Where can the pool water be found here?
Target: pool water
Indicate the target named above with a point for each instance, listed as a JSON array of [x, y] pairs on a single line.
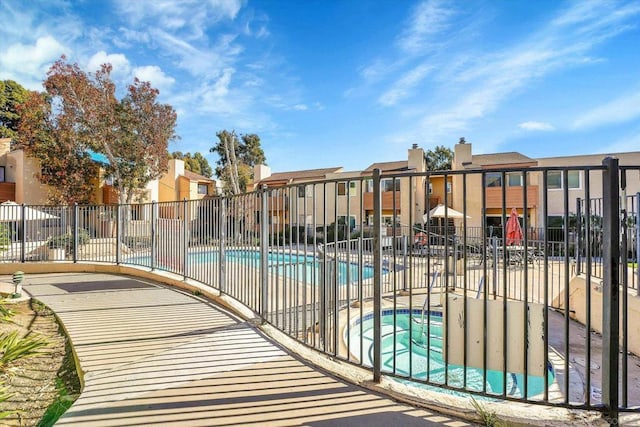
[[300, 267], [418, 353]]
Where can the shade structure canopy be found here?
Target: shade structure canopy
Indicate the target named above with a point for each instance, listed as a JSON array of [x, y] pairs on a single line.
[[514, 233], [440, 212], [11, 211]]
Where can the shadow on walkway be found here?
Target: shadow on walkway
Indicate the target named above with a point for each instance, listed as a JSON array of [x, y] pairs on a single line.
[[155, 355]]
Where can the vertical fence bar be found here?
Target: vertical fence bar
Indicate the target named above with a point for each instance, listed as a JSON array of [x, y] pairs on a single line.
[[565, 227], [264, 251], [610, 289], [625, 284], [185, 238], [637, 244], [154, 232], [579, 235], [588, 251], [75, 232], [377, 276], [118, 233], [545, 313], [222, 241], [24, 232]]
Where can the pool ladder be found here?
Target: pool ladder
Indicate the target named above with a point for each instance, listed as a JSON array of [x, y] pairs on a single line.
[[425, 306]]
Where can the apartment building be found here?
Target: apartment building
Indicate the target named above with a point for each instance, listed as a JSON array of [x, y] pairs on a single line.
[[19, 182], [349, 194], [529, 202]]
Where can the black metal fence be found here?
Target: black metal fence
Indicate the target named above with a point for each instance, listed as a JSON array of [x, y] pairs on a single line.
[[367, 277]]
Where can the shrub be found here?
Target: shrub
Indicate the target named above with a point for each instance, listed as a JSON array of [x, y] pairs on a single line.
[[66, 240], [5, 237], [13, 348]]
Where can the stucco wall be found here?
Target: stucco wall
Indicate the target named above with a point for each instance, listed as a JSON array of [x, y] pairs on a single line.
[[578, 309]]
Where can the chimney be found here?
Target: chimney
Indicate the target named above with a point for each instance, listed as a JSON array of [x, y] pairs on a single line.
[[416, 159], [462, 155], [261, 172]]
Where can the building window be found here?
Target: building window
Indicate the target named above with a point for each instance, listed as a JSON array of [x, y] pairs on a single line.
[[514, 179], [342, 221], [493, 179], [342, 188], [1, 173], [352, 188], [449, 188], [203, 189], [430, 187], [301, 190], [554, 179], [574, 179], [390, 184]]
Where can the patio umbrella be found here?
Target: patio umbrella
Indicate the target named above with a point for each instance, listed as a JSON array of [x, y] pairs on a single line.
[[439, 212], [514, 231], [11, 211]]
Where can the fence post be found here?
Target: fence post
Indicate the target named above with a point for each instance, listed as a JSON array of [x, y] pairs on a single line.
[[118, 233], [637, 224], [578, 235], [264, 252], [377, 276], [185, 238], [23, 253], [222, 237], [610, 289], [75, 232], [154, 231]]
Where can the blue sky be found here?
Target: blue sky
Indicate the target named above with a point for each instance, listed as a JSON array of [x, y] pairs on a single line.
[[348, 83]]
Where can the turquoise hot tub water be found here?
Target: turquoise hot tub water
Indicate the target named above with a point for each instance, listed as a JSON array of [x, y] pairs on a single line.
[[301, 267], [416, 355]]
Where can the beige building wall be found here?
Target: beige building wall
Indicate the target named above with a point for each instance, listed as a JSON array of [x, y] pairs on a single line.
[[24, 171], [168, 184], [461, 160], [417, 188], [555, 197]]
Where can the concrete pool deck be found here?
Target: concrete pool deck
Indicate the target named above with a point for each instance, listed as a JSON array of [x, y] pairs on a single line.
[[151, 354]]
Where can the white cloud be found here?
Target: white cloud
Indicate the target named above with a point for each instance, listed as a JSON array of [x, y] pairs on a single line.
[[154, 75], [620, 110], [190, 16], [460, 95], [119, 63], [28, 64], [429, 18], [403, 87], [300, 107], [536, 126]]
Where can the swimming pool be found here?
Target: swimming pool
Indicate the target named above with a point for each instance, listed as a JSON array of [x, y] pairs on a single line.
[[416, 354], [298, 266]]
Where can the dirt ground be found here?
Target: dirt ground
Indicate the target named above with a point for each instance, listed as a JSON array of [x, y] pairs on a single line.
[[35, 383]]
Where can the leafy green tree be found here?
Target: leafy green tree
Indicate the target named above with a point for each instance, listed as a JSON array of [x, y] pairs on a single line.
[[440, 158], [12, 95], [80, 112], [195, 163], [237, 159]]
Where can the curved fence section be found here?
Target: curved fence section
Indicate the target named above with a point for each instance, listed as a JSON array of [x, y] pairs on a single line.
[[485, 282]]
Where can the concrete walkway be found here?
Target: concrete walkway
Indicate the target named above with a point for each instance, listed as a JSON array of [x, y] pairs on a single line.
[[153, 355]]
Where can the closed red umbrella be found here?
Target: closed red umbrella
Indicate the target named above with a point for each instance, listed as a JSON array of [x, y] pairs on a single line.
[[514, 231]]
